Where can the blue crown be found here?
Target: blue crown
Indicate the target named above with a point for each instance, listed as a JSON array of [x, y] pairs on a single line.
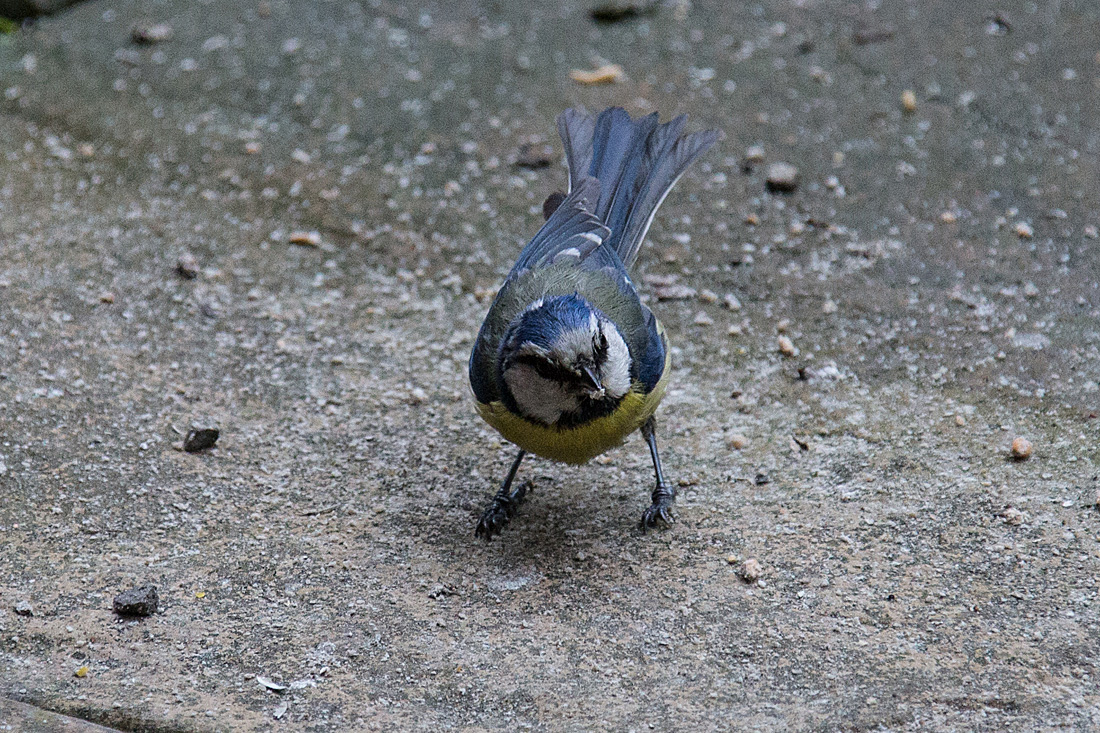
[[559, 314]]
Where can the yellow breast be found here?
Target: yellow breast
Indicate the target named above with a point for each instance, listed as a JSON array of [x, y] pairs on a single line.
[[581, 443]]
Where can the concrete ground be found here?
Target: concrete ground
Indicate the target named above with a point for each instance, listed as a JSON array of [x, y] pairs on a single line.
[[935, 272]]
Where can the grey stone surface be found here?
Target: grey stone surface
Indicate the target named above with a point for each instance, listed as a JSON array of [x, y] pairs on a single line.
[[935, 274], [19, 716]]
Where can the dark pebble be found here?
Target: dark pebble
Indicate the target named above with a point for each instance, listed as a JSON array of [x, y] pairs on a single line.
[[200, 440], [618, 11], [187, 267], [141, 601], [551, 204], [534, 156], [761, 479]]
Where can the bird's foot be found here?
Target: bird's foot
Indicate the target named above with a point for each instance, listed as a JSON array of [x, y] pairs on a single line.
[[499, 511], [659, 512]]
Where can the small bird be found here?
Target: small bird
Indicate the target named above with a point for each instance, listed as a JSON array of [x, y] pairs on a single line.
[[568, 362]]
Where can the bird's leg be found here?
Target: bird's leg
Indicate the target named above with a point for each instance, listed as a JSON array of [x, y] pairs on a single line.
[[664, 496], [504, 504]]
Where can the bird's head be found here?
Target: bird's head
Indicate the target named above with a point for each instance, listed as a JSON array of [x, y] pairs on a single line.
[[562, 357]]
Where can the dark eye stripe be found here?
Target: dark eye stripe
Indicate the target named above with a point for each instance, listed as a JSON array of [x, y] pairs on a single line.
[[545, 369], [599, 348]]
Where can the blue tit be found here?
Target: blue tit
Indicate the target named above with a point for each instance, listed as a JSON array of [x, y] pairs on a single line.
[[569, 362]]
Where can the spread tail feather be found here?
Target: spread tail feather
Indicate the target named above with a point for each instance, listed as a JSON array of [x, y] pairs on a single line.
[[637, 163]]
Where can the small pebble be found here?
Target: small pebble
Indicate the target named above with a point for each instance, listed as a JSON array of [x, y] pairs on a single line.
[[752, 219], [674, 292], [107, 298], [1092, 232], [187, 266], [829, 307], [1013, 516], [783, 325], [731, 302], [708, 296], [24, 608], [734, 330], [1023, 230], [702, 319], [733, 559], [751, 570], [949, 217], [782, 178], [200, 439], [755, 153], [551, 204], [1021, 449], [150, 33], [738, 441], [305, 239], [534, 156], [960, 420], [141, 601], [786, 346], [909, 100]]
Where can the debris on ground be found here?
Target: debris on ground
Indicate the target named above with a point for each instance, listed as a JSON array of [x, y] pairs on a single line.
[[199, 439], [142, 601]]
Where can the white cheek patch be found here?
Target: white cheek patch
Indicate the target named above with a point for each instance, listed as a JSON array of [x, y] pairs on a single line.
[[615, 370], [538, 398]]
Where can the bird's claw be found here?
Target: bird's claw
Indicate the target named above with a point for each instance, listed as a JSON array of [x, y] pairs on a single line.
[[498, 513], [659, 512]]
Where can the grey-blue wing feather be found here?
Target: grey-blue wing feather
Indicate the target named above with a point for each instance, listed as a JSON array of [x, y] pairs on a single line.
[[651, 357], [665, 165], [637, 162], [571, 226], [576, 128]]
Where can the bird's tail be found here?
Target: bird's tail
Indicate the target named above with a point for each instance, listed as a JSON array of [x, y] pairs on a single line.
[[637, 163]]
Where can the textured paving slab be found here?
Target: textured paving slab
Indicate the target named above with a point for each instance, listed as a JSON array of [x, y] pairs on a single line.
[[935, 272], [22, 717]]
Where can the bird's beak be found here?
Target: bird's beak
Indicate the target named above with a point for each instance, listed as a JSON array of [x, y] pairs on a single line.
[[592, 381]]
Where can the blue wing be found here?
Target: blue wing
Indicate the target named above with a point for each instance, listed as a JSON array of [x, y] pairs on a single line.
[[572, 226]]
